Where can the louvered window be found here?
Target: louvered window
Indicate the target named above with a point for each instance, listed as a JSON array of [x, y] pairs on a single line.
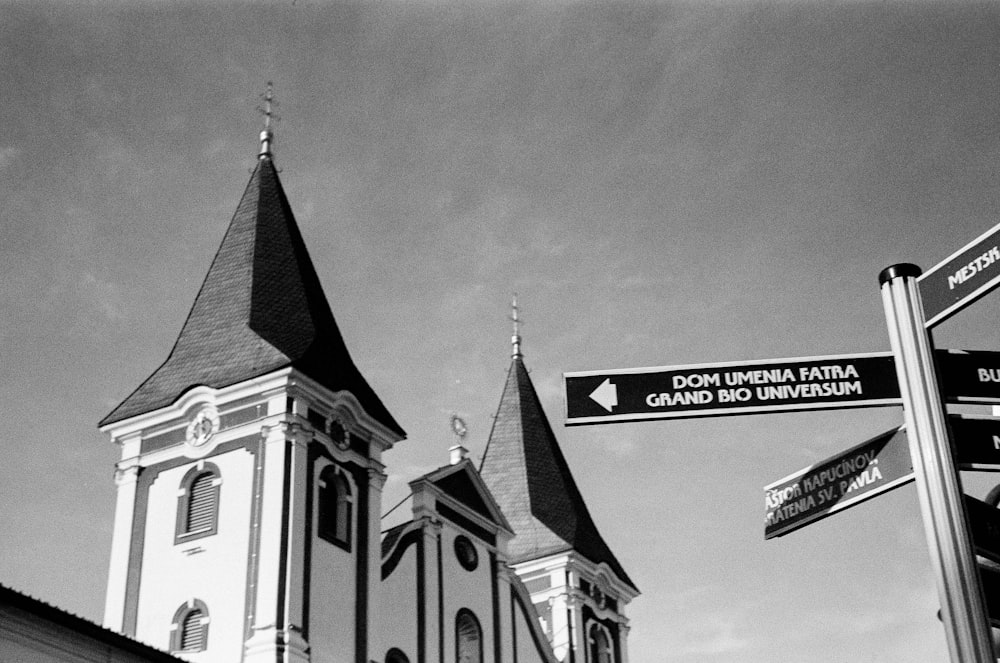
[[198, 503], [201, 503], [468, 638], [193, 632], [189, 632]]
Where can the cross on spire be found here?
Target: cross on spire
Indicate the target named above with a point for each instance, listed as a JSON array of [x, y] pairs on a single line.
[[267, 135], [515, 340]]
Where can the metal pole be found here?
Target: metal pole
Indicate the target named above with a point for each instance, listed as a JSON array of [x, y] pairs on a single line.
[[938, 487]]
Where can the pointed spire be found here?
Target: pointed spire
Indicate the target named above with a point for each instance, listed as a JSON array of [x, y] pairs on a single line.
[[515, 340], [267, 135], [260, 308], [528, 475]]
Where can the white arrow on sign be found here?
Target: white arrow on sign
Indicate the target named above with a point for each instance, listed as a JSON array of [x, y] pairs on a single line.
[[606, 395]]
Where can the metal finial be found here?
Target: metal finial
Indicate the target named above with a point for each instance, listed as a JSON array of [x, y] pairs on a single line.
[[458, 451], [515, 340], [267, 135]]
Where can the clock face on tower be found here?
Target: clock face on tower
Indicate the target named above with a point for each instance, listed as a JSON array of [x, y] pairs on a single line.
[[202, 427]]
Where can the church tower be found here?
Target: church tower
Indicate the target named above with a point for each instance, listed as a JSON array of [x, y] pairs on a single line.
[[577, 585], [250, 481]]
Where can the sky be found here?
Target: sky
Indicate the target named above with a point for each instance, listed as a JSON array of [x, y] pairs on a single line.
[[661, 183]]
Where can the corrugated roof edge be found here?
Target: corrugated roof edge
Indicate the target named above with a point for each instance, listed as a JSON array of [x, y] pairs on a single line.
[[85, 627]]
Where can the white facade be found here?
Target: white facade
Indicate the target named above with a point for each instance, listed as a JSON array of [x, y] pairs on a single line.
[[247, 516]]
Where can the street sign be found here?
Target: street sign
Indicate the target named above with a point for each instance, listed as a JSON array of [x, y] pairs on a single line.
[[984, 527], [871, 468], [860, 473], [976, 442], [961, 278], [775, 385], [990, 579], [670, 392], [969, 376]]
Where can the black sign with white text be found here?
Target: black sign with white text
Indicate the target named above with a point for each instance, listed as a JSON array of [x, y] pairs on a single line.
[[962, 278], [804, 383]]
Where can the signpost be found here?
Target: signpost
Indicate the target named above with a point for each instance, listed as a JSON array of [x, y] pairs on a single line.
[[938, 489], [913, 304], [961, 278]]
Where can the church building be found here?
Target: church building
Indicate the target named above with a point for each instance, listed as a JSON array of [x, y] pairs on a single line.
[[249, 495]]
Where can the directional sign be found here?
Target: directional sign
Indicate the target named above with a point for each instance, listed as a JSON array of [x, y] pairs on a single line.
[[803, 383], [976, 442], [869, 469], [984, 527], [961, 278], [969, 377], [860, 473], [990, 580]]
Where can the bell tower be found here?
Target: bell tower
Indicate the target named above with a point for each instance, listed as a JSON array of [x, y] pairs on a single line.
[[250, 480], [578, 586]]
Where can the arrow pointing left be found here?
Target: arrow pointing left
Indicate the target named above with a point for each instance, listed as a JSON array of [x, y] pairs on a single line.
[[606, 395]]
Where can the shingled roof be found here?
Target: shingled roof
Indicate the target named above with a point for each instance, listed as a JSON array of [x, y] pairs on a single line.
[[528, 475], [261, 308]]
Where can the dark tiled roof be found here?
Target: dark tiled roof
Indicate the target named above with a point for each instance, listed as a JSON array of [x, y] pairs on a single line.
[[260, 308], [528, 475]]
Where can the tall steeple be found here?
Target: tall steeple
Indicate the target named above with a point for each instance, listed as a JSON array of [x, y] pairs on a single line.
[[531, 480], [556, 545], [250, 482], [260, 308]]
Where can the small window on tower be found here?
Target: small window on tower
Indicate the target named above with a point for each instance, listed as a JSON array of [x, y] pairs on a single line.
[[468, 638], [198, 503], [336, 507], [599, 645], [189, 631]]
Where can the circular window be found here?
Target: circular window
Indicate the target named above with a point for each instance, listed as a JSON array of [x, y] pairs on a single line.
[[466, 553]]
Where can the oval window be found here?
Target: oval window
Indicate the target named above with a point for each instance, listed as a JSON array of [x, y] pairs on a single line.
[[466, 553]]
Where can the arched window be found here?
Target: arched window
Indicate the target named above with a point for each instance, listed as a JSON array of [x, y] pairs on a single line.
[[198, 503], [189, 631], [468, 638], [336, 504], [600, 645], [395, 656]]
